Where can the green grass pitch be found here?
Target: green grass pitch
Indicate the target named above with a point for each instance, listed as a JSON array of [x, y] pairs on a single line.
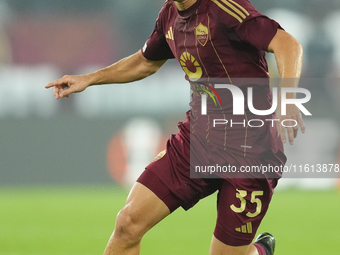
[[79, 220]]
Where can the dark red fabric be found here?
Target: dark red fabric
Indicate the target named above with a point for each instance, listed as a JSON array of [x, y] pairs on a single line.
[[239, 45], [169, 178]]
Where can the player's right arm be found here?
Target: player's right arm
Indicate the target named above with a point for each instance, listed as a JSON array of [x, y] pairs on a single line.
[[132, 68]]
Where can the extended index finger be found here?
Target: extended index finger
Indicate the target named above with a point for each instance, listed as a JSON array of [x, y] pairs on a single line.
[[58, 82]]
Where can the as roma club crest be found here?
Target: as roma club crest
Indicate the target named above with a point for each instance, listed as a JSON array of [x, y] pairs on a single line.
[[202, 33]]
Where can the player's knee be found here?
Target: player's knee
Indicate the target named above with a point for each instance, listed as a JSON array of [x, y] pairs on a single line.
[[129, 228]]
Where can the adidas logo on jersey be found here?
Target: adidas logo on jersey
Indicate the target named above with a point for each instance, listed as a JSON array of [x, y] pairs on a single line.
[[170, 34], [247, 229]]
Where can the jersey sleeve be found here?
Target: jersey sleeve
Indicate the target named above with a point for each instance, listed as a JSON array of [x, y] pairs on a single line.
[[239, 20], [156, 47]]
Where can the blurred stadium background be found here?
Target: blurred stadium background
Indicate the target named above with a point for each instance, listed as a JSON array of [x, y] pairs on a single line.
[[65, 166]]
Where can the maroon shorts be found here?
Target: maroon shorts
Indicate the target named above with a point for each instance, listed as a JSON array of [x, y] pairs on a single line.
[[241, 203]]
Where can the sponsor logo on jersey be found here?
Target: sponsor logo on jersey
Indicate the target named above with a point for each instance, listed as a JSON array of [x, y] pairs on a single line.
[[190, 66], [202, 33]]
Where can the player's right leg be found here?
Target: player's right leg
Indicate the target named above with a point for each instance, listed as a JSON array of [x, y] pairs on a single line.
[[219, 248], [142, 211], [242, 204], [263, 245]]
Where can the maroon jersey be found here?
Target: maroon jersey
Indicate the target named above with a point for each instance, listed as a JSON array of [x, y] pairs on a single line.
[[213, 39], [220, 39]]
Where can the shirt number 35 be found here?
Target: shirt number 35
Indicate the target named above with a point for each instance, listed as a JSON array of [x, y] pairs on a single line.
[[241, 195]]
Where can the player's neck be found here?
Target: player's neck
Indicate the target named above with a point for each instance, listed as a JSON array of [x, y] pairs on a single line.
[[184, 4]]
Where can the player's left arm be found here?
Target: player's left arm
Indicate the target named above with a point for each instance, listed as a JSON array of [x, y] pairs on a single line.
[[289, 55]]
